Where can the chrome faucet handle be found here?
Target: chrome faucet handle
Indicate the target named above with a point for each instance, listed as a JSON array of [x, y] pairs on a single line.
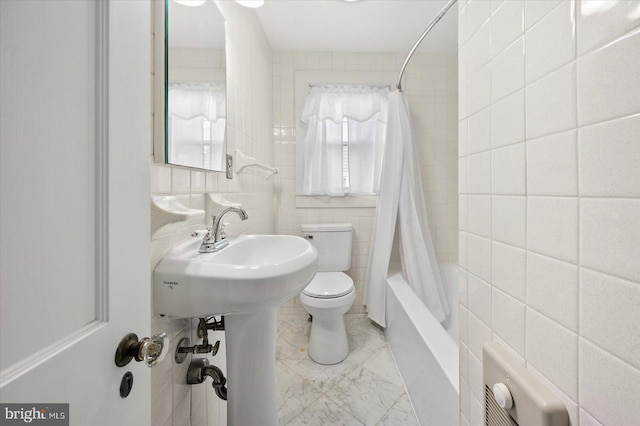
[[208, 241], [209, 235]]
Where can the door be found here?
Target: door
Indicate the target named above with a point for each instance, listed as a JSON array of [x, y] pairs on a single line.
[[74, 205]]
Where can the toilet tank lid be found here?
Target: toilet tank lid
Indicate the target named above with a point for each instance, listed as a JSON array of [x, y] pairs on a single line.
[[326, 227]]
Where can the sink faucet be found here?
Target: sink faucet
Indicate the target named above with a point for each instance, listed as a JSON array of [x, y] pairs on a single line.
[[215, 239]]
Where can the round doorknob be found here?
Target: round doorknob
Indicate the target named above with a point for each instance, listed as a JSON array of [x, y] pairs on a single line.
[[150, 350]]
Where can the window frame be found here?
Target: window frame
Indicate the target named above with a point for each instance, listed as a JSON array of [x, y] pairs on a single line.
[[303, 81]]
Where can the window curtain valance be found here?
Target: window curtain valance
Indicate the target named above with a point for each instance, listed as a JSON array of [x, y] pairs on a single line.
[[334, 103], [190, 100], [344, 140]]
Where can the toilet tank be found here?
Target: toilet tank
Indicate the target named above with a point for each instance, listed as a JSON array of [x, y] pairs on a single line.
[[333, 242]]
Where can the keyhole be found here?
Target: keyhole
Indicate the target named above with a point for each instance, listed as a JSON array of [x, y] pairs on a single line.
[[126, 384]]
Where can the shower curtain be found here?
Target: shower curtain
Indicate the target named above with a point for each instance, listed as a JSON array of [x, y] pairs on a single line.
[[401, 206]]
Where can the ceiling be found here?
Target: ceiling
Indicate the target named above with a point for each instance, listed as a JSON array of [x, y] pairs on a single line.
[[360, 26], [199, 27]]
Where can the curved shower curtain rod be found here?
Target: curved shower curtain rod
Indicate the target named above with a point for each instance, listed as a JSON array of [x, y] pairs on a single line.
[[432, 24]]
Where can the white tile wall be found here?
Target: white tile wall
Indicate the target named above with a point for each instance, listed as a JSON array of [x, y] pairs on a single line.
[[551, 103], [479, 136], [431, 85], [464, 332], [479, 49], [508, 269], [463, 249], [603, 374], [508, 72], [562, 171], [479, 334], [507, 125], [587, 419], [249, 92], [547, 276], [479, 89], [480, 223], [601, 22], [534, 10], [557, 29], [609, 158], [609, 307], [463, 137], [552, 227], [508, 319], [508, 220], [507, 170], [479, 173], [506, 25], [476, 413], [480, 299], [464, 397], [608, 81], [477, 13], [609, 230], [551, 165]]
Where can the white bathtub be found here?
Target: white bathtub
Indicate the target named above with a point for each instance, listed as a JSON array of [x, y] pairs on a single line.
[[426, 352]]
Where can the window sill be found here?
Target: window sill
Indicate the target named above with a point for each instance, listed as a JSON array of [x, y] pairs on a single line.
[[326, 202]]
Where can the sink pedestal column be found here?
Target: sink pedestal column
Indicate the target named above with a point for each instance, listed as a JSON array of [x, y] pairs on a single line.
[[251, 362]]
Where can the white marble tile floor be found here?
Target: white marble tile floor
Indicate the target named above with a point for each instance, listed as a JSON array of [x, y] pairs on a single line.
[[364, 389]]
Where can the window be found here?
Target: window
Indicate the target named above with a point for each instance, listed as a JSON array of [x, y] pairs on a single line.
[[344, 140]]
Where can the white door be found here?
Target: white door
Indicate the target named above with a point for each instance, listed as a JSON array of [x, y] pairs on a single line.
[[74, 204]]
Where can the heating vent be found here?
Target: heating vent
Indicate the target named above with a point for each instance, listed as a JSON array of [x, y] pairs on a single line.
[[496, 416], [519, 398]]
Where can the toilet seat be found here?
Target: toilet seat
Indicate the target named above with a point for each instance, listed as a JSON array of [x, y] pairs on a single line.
[[329, 285]]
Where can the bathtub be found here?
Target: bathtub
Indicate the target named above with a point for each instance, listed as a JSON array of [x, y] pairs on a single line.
[[426, 351]]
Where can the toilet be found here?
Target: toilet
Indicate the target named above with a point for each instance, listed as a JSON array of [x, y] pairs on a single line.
[[331, 292]]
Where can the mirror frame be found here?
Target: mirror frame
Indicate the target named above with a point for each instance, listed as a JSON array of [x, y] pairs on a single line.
[[160, 91]]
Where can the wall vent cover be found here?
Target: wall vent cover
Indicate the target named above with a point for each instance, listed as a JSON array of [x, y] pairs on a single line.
[[495, 415], [533, 404]]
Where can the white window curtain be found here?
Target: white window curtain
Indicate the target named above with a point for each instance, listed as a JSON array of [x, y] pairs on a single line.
[[190, 100], [346, 128], [197, 123]]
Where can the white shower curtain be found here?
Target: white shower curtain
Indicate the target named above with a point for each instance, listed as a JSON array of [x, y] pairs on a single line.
[[401, 202]]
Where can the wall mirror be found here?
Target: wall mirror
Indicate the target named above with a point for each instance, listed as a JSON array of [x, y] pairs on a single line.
[[190, 85]]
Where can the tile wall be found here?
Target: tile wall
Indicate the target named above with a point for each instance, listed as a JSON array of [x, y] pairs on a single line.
[[549, 189], [431, 84], [249, 96]]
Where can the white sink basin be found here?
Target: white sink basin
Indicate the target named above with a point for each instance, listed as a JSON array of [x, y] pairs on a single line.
[[245, 281], [253, 272]]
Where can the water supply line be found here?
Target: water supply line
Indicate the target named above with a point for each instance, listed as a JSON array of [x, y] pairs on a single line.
[[199, 368], [432, 24]]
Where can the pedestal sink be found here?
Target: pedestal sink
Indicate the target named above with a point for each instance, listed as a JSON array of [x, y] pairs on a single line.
[[246, 282]]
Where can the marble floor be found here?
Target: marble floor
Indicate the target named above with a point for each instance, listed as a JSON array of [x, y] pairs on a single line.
[[364, 389]]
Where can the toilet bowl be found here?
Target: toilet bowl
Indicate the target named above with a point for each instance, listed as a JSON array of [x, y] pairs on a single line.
[[331, 292], [328, 342]]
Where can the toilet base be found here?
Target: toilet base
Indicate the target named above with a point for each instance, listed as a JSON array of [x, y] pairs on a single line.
[[328, 343]]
